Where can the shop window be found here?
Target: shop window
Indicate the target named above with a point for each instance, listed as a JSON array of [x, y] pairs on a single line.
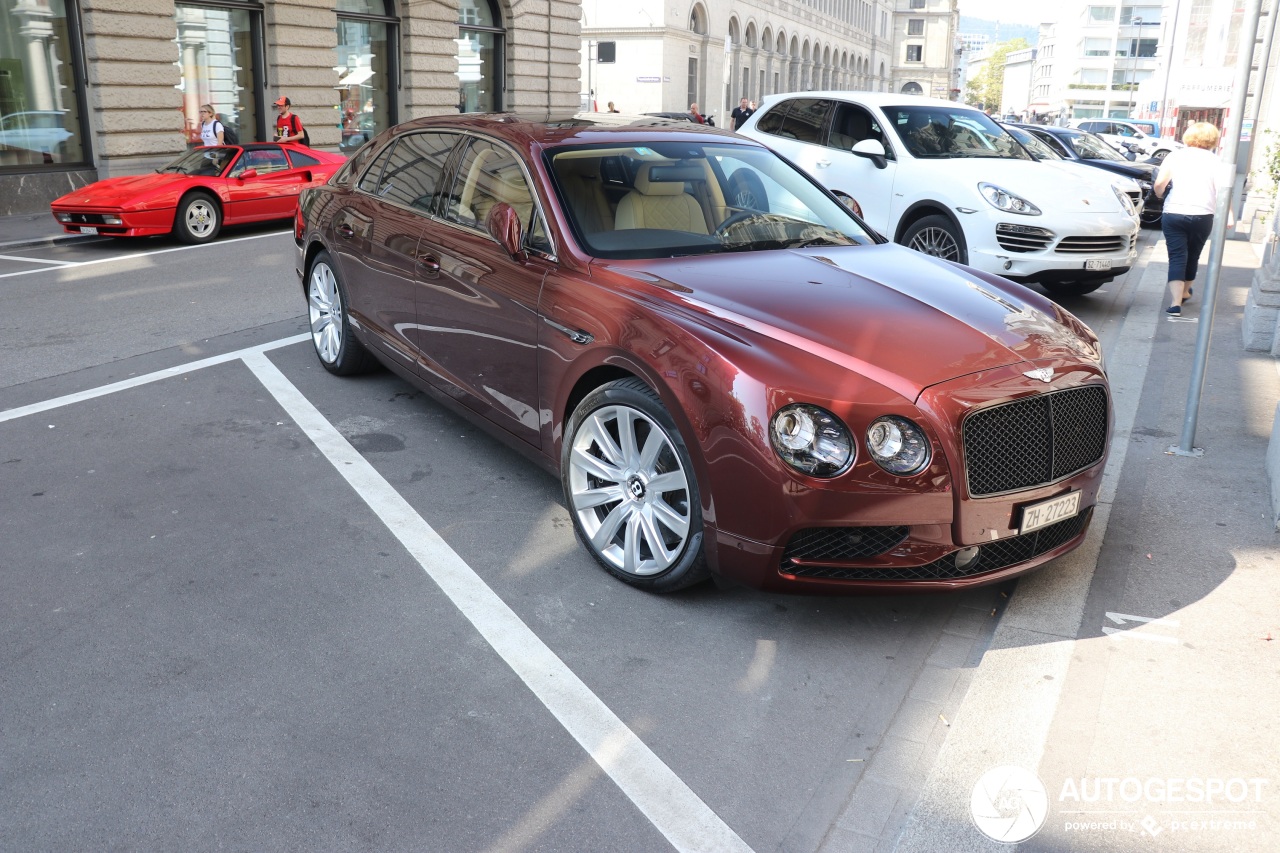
[[41, 111], [480, 47], [365, 64], [218, 54]]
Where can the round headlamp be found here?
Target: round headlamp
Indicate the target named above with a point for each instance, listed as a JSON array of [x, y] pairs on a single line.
[[811, 440], [898, 446]]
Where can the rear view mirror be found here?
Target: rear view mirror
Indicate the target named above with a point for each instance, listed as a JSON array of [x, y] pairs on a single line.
[[503, 224], [248, 173], [873, 150]]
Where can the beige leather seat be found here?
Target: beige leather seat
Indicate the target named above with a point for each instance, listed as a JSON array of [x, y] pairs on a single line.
[[580, 179], [660, 204]]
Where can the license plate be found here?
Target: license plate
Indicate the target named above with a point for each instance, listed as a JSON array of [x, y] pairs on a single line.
[[1048, 512], [1098, 264], [85, 229]]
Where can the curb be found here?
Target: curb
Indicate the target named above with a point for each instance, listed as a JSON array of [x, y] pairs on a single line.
[[51, 240]]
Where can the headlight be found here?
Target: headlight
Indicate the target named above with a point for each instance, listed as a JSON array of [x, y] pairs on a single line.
[[63, 217], [811, 440], [1004, 200], [898, 446], [1145, 185], [110, 219], [1125, 201]]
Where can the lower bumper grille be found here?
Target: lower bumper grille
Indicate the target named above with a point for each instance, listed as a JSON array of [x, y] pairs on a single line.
[[994, 556], [841, 544]]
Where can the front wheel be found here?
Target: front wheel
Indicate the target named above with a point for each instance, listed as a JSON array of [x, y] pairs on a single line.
[[937, 236], [335, 344], [198, 218], [632, 490]]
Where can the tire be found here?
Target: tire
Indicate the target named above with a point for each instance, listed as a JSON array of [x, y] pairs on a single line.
[[198, 218], [335, 344], [631, 489], [747, 191], [937, 236], [1071, 288]]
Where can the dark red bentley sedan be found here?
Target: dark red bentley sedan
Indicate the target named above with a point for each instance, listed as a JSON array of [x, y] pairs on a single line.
[[728, 371]]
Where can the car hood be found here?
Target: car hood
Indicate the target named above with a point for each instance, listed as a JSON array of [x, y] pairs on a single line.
[[113, 192], [901, 318], [1137, 171], [1042, 184]]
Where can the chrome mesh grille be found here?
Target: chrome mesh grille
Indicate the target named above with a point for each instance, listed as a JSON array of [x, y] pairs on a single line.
[[1092, 245], [1034, 440]]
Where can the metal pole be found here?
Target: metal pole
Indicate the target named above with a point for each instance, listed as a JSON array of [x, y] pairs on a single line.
[[1244, 65]]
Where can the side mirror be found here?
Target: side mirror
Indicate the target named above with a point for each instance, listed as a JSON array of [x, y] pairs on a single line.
[[848, 201], [873, 150], [503, 224], [248, 173]]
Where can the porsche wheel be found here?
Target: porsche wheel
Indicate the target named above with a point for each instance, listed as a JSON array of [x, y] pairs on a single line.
[[335, 344], [198, 218], [632, 490], [937, 236]]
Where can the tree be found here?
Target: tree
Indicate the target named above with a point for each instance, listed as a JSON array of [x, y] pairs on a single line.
[[986, 89]]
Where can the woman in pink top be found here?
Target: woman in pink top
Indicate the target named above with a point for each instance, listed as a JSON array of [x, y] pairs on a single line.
[[1190, 175]]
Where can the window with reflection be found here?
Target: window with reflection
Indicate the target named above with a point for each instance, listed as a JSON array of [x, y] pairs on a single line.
[[41, 118], [480, 46], [365, 64], [217, 54]]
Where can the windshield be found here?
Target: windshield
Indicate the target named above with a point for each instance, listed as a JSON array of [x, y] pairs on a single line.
[[662, 199], [941, 132], [1091, 147], [209, 162], [1034, 144]]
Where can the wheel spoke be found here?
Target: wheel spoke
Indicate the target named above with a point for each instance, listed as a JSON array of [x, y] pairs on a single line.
[[666, 515], [631, 547], [609, 527], [591, 498], [596, 467], [627, 437], [672, 481], [652, 535], [605, 441], [653, 446]]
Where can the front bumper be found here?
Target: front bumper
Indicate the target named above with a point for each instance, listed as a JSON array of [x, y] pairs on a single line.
[[1059, 248], [144, 223]]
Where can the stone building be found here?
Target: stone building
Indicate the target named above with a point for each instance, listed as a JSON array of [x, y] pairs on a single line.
[[96, 88]]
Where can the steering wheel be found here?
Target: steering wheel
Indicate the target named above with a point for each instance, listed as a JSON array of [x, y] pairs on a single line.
[[741, 216]]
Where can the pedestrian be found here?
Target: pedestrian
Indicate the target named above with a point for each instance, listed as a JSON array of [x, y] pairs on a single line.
[[288, 127], [1190, 176], [697, 116], [211, 131], [612, 108], [741, 113], [753, 106]]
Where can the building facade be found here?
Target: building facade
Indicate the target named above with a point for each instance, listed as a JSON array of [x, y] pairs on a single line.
[[96, 88], [649, 57]]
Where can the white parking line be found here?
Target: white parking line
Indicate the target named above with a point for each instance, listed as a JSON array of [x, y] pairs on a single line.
[[678, 813], [113, 259], [675, 810], [38, 261]]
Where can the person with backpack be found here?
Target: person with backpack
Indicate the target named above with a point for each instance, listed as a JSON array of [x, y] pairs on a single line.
[[289, 126], [212, 131]]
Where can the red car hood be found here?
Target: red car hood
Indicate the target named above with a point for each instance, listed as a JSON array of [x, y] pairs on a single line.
[[116, 192], [898, 317]]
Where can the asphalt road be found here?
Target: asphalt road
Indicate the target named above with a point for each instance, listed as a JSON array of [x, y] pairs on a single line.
[[221, 627]]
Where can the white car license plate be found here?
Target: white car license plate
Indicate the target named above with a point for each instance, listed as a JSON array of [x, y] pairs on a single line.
[[1098, 264], [85, 229], [1048, 512]]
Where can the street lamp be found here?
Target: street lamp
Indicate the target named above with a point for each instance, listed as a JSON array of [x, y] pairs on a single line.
[[1133, 83]]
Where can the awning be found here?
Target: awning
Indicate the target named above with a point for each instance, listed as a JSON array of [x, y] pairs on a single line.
[[355, 78]]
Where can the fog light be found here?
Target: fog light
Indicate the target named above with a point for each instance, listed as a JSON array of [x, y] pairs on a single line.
[[1008, 265], [967, 557], [63, 217]]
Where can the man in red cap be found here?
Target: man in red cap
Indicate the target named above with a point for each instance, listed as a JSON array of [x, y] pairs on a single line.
[[288, 125]]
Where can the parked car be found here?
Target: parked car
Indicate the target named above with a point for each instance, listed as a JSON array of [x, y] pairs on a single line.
[[1122, 134], [1043, 152], [195, 195], [947, 180], [43, 131], [679, 116], [1083, 147], [728, 371]]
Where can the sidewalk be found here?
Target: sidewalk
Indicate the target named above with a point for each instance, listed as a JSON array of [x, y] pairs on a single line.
[[30, 230], [1137, 678]]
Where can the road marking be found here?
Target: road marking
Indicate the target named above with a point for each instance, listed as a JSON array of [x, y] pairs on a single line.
[[1126, 618], [37, 261], [677, 812], [132, 255], [1120, 634], [135, 381], [1122, 618]]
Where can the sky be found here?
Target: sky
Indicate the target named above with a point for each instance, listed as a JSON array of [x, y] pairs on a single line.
[[1014, 11]]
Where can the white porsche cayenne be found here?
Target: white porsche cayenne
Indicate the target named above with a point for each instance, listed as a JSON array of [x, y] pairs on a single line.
[[945, 179]]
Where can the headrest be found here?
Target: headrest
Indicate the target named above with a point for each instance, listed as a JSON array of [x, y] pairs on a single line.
[[653, 179]]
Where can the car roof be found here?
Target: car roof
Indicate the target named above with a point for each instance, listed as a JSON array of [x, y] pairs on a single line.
[[549, 130], [879, 99]]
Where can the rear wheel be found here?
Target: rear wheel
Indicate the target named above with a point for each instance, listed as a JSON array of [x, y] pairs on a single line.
[[198, 218], [632, 490], [335, 344], [937, 236]]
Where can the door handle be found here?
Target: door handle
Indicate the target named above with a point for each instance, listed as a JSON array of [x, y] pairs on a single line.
[[346, 232], [429, 264]]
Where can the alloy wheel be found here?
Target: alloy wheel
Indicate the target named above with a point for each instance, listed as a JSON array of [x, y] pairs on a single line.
[[201, 219], [324, 305], [937, 242]]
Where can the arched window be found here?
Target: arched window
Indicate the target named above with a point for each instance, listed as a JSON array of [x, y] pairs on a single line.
[[912, 89], [480, 49], [366, 67], [698, 20]]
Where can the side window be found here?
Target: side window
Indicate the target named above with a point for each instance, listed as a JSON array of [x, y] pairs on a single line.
[[851, 124], [264, 160], [805, 119], [415, 169], [301, 160], [369, 181], [1054, 143], [536, 240], [489, 174], [771, 122]]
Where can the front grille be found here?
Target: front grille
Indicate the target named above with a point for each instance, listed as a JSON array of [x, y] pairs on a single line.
[[1135, 196], [1022, 238], [1000, 554], [1035, 440], [1092, 245], [841, 544], [86, 219]]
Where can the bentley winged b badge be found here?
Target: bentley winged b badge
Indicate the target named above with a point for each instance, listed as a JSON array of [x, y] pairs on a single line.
[[1044, 374]]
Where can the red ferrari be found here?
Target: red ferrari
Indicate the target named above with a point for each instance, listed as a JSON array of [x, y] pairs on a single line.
[[195, 195]]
